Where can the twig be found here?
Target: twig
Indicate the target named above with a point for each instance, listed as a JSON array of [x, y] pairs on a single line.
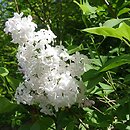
[[110, 8], [17, 8], [98, 110], [112, 101], [83, 124]]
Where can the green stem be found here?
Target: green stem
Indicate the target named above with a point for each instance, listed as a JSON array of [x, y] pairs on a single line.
[[16, 4], [84, 20], [126, 42], [96, 50], [110, 79]]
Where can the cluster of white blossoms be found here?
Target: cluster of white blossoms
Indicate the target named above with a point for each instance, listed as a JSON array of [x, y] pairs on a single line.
[[52, 77]]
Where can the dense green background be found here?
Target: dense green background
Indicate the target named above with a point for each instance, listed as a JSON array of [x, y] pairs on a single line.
[[97, 28]]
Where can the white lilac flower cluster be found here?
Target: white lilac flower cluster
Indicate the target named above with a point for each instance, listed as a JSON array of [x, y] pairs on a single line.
[[52, 77]]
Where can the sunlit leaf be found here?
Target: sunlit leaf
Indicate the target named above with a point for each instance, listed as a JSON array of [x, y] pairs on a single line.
[[106, 89], [3, 71], [123, 11], [124, 30], [104, 31], [114, 22], [86, 7]]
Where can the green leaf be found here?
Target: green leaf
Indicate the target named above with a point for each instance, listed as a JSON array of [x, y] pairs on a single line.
[[113, 22], [104, 31], [107, 89], [97, 62], [42, 124], [95, 118], [72, 49], [91, 116], [127, 79], [89, 75], [6, 105], [81, 127], [93, 77], [93, 82], [128, 127], [70, 126], [115, 62], [14, 83], [25, 127], [120, 126], [3, 71], [63, 119], [86, 7], [119, 3], [124, 30], [123, 11]]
